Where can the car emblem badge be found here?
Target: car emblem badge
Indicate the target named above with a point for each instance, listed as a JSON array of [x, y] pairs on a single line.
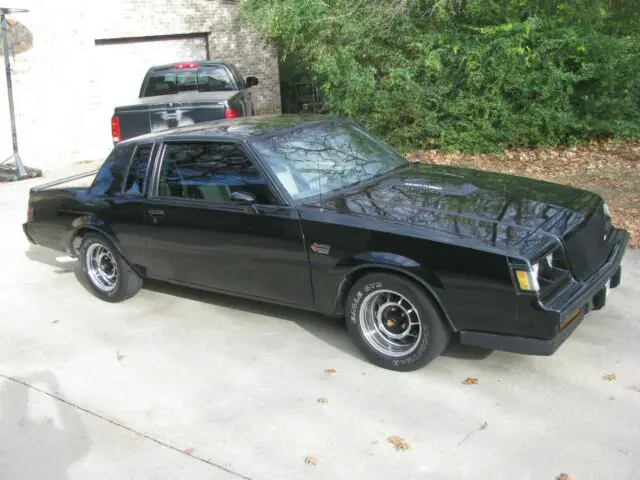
[[320, 248]]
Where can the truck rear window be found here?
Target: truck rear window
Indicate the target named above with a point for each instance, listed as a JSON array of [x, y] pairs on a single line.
[[204, 79]]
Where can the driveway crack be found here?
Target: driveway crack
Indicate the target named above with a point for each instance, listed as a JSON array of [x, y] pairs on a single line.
[[124, 427]]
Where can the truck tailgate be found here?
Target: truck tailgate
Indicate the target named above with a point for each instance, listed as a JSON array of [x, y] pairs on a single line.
[[154, 114]]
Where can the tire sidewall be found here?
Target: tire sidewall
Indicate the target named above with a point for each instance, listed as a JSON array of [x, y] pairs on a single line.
[[90, 239], [431, 339]]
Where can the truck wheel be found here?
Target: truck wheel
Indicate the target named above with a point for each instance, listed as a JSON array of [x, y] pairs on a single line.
[[394, 322], [109, 276]]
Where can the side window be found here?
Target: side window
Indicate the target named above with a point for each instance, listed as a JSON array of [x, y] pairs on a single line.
[[237, 76], [110, 178], [210, 172], [135, 184]]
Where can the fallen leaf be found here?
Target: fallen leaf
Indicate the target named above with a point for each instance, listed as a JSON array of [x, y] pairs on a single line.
[[564, 476], [54, 321], [635, 388], [188, 451], [470, 381], [329, 371], [323, 400], [612, 398], [119, 356], [609, 377], [399, 443], [311, 460]]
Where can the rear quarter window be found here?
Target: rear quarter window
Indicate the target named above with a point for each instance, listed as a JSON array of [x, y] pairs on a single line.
[[110, 178], [137, 176]]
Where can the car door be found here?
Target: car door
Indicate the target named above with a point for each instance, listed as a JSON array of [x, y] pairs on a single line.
[[197, 235], [246, 92], [117, 200]]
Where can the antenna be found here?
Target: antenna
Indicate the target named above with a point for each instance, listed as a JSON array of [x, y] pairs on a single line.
[[19, 171]]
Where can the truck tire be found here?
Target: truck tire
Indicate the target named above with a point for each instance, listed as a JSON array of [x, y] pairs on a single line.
[[394, 322], [108, 275]]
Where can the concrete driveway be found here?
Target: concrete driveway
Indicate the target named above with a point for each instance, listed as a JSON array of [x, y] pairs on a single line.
[[181, 384]]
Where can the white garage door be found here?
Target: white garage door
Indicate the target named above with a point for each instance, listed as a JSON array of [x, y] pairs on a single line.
[[118, 70]]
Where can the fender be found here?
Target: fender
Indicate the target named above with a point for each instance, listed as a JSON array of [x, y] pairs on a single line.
[[391, 262], [87, 223]]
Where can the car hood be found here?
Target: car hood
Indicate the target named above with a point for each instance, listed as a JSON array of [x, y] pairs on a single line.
[[480, 208]]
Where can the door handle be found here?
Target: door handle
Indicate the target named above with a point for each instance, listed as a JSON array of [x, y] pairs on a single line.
[[156, 213]]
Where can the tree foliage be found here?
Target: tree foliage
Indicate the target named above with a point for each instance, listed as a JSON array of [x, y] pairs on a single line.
[[473, 75]]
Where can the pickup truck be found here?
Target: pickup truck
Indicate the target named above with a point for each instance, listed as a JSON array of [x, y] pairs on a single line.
[[319, 214], [184, 93]]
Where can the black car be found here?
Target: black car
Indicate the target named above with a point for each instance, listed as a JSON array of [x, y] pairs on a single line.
[[319, 214]]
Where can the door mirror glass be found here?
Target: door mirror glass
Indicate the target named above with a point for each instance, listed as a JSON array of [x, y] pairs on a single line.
[[251, 82]]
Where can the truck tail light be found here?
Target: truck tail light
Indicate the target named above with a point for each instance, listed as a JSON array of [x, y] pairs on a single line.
[[186, 65], [29, 213], [115, 129], [230, 113]]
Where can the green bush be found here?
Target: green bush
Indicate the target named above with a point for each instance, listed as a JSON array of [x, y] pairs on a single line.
[[472, 75]]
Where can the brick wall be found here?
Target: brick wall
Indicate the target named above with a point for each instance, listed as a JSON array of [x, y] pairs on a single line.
[[65, 86]]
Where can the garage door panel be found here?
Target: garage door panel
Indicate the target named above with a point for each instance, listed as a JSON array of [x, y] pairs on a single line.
[[118, 70]]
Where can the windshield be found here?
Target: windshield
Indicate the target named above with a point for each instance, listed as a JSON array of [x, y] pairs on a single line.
[[173, 80], [319, 159]]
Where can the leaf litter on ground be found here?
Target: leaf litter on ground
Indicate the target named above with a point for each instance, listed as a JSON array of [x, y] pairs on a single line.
[[399, 443], [609, 377], [470, 381]]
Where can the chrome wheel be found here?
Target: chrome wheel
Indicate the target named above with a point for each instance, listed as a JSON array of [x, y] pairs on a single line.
[[390, 323], [101, 267]]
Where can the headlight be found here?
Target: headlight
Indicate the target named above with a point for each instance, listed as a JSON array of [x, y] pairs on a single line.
[[549, 260]]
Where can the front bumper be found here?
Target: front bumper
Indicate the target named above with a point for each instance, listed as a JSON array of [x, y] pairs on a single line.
[[567, 308]]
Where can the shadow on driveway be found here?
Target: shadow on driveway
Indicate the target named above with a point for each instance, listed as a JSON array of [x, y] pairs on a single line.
[[32, 445], [329, 330]]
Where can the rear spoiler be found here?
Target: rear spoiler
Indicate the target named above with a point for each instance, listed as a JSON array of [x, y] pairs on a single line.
[[60, 181]]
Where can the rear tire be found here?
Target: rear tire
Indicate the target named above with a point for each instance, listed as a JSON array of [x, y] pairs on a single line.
[[394, 322], [108, 275]]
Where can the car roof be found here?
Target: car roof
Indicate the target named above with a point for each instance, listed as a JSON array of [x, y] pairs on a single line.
[[236, 129]]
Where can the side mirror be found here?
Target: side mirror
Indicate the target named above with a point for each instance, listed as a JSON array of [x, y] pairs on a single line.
[[251, 82], [247, 199]]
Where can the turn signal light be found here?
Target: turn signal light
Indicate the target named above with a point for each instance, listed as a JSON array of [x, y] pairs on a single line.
[[527, 280]]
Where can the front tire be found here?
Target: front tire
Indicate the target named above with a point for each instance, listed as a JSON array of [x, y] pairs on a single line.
[[394, 322], [108, 275]]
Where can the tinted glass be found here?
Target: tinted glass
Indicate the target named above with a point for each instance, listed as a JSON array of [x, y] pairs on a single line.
[[237, 77], [135, 183], [318, 159], [173, 80], [210, 172], [110, 178]]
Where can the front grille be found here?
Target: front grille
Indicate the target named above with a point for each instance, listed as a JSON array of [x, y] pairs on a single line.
[[586, 246]]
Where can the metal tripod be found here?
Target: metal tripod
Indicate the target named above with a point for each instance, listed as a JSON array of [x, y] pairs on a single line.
[[19, 171]]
